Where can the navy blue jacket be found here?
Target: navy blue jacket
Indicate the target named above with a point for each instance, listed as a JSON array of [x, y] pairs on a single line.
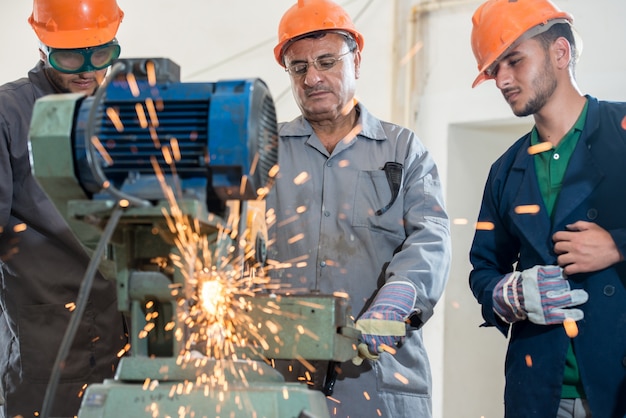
[[594, 190]]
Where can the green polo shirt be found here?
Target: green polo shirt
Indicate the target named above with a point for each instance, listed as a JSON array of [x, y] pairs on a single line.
[[550, 166]]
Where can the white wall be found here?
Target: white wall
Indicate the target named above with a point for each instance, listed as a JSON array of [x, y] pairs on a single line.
[[215, 39]]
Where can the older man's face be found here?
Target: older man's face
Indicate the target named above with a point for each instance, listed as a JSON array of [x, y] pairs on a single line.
[[323, 93]]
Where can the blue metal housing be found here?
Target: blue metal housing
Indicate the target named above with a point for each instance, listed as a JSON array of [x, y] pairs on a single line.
[[221, 132]]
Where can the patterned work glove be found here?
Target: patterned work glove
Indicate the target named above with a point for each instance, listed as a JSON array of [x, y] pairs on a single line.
[[384, 323], [540, 294]]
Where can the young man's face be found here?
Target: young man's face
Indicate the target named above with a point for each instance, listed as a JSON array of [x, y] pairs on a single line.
[[85, 83], [526, 77]]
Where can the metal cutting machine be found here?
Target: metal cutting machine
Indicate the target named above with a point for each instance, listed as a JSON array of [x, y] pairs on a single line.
[[163, 182]]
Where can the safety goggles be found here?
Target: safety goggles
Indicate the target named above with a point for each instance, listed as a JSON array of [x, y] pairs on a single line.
[[82, 60]]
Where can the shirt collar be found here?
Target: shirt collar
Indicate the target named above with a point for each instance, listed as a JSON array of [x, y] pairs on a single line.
[[578, 127]]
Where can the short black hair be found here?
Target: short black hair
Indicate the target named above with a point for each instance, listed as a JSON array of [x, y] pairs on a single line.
[[557, 31]]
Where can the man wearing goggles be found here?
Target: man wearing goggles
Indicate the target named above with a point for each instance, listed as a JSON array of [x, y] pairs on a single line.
[[42, 263], [82, 60], [78, 70]]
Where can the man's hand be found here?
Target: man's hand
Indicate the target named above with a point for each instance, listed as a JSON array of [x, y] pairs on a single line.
[[540, 294], [384, 323], [585, 247]]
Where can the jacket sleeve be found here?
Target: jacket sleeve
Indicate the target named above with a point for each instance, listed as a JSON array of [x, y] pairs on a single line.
[[424, 257], [6, 185], [493, 252], [16, 107]]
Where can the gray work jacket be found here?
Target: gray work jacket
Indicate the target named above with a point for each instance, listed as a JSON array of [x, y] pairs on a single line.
[[328, 233], [43, 265]]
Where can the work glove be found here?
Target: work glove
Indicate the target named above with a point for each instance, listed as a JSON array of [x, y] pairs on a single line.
[[540, 294], [384, 323]]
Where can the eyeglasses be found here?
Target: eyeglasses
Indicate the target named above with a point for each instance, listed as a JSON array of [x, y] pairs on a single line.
[[323, 63], [82, 60]]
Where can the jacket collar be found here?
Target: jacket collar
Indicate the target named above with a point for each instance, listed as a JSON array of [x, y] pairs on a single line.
[[581, 178], [371, 127], [39, 80]]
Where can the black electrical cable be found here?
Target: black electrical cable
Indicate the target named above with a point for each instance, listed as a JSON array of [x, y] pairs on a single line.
[[92, 161]]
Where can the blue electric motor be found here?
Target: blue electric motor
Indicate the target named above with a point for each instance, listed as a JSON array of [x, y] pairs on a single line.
[[222, 137]]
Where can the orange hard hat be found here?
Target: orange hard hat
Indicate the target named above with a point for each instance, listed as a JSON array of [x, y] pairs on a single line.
[[497, 24], [75, 23], [309, 16]]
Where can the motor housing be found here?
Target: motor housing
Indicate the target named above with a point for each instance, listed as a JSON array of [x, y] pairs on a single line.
[[221, 136]]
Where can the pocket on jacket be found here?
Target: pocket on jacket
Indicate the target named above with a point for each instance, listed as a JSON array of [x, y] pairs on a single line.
[[408, 371], [409, 382], [41, 330], [372, 192]]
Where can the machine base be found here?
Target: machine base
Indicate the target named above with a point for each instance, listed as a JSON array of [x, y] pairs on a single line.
[[258, 392]]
